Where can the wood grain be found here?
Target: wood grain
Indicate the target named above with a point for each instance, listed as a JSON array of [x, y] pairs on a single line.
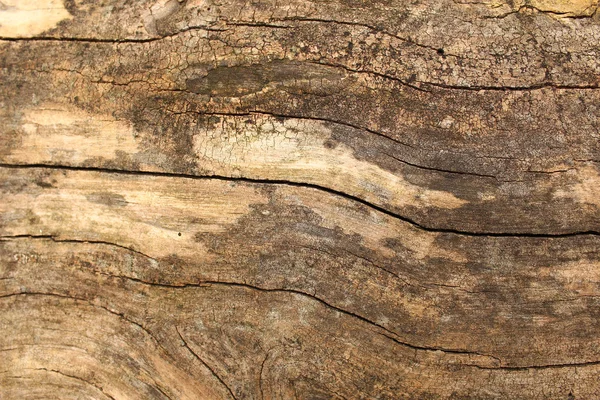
[[330, 199]]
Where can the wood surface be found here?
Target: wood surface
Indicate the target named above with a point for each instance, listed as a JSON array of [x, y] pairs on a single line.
[[340, 199]]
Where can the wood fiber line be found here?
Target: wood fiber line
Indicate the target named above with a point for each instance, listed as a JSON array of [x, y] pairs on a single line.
[[301, 200]]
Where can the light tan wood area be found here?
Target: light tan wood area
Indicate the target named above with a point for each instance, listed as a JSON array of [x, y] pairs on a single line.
[[301, 200]]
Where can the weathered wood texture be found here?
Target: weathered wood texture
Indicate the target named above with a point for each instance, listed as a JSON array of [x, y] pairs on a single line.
[[303, 199]]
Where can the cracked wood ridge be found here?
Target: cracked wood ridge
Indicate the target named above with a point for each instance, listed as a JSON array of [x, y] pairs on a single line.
[[307, 199]]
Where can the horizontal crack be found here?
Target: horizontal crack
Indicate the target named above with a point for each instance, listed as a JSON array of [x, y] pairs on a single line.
[[86, 301], [308, 118], [90, 303], [283, 182], [368, 26], [536, 86], [376, 133], [375, 73], [107, 40], [542, 366], [439, 169], [207, 283], [58, 240], [541, 11], [386, 332], [423, 84]]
